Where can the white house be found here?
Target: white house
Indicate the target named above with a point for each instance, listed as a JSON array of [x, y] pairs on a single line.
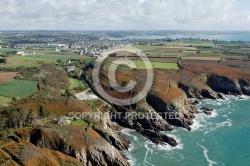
[[70, 68], [20, 53]]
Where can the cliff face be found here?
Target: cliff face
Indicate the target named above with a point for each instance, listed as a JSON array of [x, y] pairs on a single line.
[[169, 97], [171, 90], [20, 152], [226, 85], [145, 120], [84, 144], [177, 112]]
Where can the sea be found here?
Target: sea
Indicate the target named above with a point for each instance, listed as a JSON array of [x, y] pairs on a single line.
[[222, 139], [221, 37]]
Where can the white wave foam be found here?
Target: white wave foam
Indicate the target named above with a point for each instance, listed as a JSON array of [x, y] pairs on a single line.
[[127, 132], [167, 147], [227, 123], [131, 160], [214, 114], [205, 152], [146, 155], [200, 122], [241, 97]]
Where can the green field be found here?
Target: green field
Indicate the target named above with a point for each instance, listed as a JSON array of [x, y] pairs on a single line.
[[4, 100], [38, 59], [197, 43], [18, 88], [3, 41], [161, 53], [191, 43], [156, 65], [2, 50], [166, 50], [202, 58], [145, 48], [75, 83], [144, 65], [80, 122]]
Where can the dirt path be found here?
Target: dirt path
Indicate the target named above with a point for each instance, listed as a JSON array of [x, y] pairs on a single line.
[[86, 95]]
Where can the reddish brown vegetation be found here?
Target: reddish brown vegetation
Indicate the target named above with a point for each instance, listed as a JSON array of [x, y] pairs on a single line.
[[58, 108], [166, 82], [6, 77], [27, 154]]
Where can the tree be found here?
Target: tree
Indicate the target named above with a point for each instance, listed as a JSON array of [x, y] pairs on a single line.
[[43, 112], [60, 62]]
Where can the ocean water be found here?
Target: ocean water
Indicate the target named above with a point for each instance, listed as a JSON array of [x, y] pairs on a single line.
[[224, 37], [222, 139]]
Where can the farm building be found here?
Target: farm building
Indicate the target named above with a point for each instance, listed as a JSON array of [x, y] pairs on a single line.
[[70, 68], [20, 53]]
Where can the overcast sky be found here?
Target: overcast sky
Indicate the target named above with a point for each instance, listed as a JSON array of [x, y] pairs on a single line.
[[124, 15]]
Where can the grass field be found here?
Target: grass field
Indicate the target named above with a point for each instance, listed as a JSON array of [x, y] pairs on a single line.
[[157, 65], [197, 43], [145, 48], [202, 58], [144, 65], [75, 83], [171, 50], [38, 59], [4, 100], [192, 43], [3, 41], [80, 122], [2, 50], [161, 53], [18, 88]]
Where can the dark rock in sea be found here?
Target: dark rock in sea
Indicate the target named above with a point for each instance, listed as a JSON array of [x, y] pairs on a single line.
[[207, 109], [196, 102], [155, 136], [207, 112], [241, 98], [221, 96]]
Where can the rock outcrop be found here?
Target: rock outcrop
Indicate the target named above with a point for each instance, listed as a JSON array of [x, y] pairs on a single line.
[[144, 119], [223, 84], [113, 137], [20, 152], [85, 144], [169, 96]]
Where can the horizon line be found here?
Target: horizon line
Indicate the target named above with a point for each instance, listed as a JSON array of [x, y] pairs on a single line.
[[130, 30]]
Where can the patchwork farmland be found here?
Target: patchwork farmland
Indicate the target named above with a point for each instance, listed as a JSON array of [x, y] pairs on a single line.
[[6, 77], [18, 88]]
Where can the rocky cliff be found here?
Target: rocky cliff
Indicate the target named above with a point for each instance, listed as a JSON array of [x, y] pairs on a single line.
[[169, 96], [85, 144], [15, 151]]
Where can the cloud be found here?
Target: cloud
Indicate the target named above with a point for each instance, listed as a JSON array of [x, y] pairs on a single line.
[[121, 14]]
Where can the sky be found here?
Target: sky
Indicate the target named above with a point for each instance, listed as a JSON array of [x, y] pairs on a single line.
[[211, 15]]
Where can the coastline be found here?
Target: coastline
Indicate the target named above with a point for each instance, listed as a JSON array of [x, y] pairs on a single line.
[[215, 124]]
